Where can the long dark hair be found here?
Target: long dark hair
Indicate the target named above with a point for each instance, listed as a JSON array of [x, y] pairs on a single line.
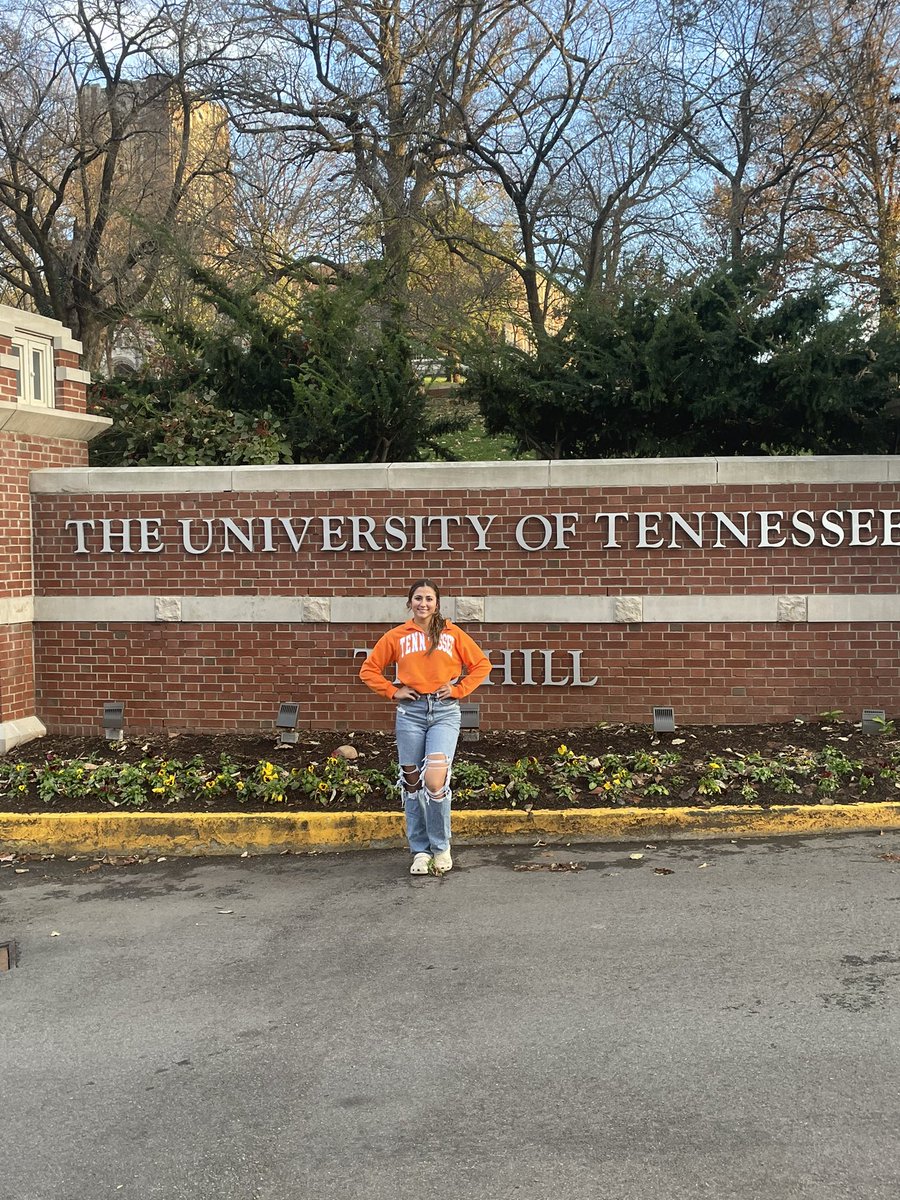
[[438, 620]]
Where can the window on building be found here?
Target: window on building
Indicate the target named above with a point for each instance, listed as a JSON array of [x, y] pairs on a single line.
[[34, 373]]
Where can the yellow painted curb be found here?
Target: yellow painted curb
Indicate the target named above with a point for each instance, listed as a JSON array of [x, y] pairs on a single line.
[[270, 833]]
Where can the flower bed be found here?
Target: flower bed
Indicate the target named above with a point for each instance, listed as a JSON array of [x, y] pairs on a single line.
[[818, 762]]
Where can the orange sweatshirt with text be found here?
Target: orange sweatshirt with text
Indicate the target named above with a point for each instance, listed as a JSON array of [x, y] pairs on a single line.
[[407, 646]]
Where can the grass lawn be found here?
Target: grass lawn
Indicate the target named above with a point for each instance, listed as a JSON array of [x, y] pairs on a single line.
[[471, 444]]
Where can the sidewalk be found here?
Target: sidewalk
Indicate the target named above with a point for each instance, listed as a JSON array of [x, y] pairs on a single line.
[[204, 834]]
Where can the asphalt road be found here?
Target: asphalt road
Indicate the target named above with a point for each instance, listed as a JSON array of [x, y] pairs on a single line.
[[329, 1027]]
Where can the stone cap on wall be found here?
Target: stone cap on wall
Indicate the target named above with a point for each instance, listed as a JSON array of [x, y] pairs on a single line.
[[51, 423], [487, 476], [12, 319]]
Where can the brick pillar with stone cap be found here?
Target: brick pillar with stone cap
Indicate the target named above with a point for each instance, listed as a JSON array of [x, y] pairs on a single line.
[[43, 423]]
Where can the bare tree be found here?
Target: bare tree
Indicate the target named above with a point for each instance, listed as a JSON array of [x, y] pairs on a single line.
[[362, 85], [522, 131], [624, 215], [568, 152], [859, 193], [108, 141], [761, 119]]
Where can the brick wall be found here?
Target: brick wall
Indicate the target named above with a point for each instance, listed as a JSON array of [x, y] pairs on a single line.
[[32, 438], [234, 677], [19, 456], [587, 566], [16, 671]]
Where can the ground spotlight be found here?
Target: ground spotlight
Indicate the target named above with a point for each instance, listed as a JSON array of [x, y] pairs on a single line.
[[286, 724], [873, 720], [114, 720], [663, 720], [470, 722]]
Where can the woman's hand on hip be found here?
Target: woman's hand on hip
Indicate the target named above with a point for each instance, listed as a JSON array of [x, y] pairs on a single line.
[[444, 693], [405, 693]]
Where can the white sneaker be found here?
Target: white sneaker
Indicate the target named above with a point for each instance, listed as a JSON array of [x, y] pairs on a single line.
[[442, 861], [420, 864]]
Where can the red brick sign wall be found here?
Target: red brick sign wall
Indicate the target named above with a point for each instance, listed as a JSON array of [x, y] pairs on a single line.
[[734, 590]]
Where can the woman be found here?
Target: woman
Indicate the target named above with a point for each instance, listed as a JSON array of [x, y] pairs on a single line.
[[430, 653]]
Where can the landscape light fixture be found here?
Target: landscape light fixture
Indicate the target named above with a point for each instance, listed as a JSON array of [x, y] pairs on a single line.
[[470, 722], [873, 720], [664, 720], [286, 724], [9, 957], [114, 720]]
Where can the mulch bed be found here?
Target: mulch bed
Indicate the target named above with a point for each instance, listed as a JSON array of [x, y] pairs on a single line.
[[697, 746]]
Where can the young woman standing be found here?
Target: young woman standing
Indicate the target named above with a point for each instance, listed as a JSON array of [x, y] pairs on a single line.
[[430, 654]]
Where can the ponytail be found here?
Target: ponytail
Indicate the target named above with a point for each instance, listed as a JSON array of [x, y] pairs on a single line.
[[435, 629]]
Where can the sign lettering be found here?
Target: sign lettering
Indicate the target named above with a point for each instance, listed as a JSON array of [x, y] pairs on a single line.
[[766, 529]]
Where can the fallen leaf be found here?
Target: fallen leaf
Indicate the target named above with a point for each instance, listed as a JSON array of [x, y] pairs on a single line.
[[54, 933], [7, 858], [663, 871], [246, 854], [21, 870], [635, 857], [552, 866], [701, 866], [677, 741], [163, 859], [225, 912]]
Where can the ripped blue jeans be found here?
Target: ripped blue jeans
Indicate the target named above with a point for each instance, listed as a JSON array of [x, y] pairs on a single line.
[[427, 731]]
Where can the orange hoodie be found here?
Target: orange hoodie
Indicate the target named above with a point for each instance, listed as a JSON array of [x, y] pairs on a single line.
[[407, 646]]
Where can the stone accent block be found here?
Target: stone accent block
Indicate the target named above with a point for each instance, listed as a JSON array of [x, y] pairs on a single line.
[[316, 608], [72, 375], [629, 610], [470, 608], [168, 608], [792, 608]]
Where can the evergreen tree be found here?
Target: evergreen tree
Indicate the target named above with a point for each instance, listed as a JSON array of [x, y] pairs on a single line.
[[337, 386], [357, 395], [713, 369]]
